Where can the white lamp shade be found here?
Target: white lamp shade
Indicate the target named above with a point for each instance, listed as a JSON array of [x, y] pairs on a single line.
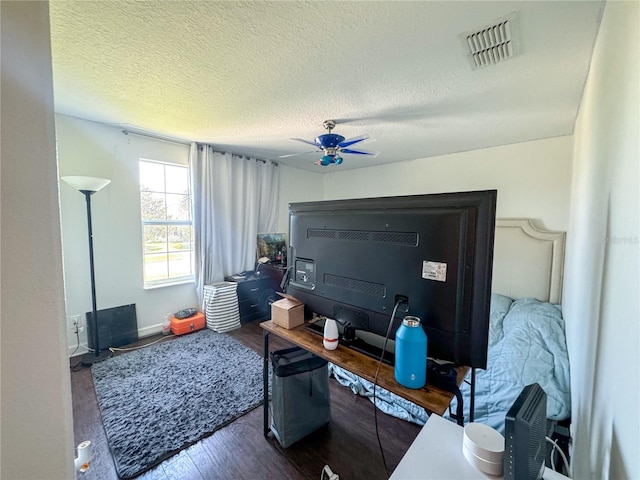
[[91, 184]]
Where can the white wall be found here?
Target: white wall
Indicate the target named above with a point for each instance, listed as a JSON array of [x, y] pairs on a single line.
[[296, 186], [94, 149], [36, 428], [533, 179], [601, 276]]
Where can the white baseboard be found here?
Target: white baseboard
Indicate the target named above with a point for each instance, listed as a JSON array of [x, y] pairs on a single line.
[[142, 333], [148, 331]]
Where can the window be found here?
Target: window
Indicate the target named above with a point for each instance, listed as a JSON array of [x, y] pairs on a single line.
[[167, 228]]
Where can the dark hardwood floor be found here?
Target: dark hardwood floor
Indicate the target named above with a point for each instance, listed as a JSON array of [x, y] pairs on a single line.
[[240, 451]]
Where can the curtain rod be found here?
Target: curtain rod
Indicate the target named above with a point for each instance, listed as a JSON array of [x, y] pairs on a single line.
[[200, 145], [156, 137], [184, 142]]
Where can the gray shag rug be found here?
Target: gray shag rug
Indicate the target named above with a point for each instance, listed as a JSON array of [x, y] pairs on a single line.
[[160, 399]]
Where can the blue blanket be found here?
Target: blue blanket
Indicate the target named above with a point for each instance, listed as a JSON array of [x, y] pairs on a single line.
[[388, 402], [526, 345]]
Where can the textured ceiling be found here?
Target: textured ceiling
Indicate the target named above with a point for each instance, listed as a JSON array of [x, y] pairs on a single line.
[[248, 76]]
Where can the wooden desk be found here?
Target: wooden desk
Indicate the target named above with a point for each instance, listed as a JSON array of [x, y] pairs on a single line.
[[430, 398]]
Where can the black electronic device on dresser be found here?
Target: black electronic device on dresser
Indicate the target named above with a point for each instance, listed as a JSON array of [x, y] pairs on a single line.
[[255, 296]]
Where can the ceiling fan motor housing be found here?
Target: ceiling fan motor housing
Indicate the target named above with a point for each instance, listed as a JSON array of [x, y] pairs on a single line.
[[329, 140]]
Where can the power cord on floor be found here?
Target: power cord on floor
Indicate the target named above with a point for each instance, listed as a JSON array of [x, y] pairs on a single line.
[[327, 474], [375, 383], [128, 349], [78, 366]]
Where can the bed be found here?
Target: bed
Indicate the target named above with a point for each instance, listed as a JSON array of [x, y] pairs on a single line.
[[526, 333]]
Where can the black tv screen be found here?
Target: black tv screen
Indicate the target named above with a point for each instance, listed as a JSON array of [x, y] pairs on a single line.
[[353, 259]]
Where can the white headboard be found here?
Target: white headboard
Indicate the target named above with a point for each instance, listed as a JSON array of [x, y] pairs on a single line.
[[527, 261]]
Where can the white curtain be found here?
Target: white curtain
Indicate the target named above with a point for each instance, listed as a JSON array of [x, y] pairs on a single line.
[[234, 198]]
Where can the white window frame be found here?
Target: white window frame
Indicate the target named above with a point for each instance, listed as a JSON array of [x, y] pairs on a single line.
[[178, 280]]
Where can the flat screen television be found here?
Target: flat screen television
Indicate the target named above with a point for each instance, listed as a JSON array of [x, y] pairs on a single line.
[[353, 260]]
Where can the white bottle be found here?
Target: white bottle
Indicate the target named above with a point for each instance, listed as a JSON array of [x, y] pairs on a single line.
[[166, 324], [330, 340]]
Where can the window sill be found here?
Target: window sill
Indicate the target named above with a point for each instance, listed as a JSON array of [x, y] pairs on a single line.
[[169, 284]]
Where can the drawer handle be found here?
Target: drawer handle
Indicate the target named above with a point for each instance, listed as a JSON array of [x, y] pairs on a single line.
[[255, 289]]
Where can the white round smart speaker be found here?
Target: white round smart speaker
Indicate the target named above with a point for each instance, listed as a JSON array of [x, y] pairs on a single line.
[[483, 447]]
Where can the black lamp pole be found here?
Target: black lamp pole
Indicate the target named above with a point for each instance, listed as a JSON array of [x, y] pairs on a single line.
[[97, 356], [88, 186]]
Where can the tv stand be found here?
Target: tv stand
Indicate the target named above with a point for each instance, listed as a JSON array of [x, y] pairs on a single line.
[[355, 343], [429, 397]]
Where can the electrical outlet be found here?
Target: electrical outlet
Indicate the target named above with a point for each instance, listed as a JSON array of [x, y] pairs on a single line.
[[76, 323], [403, 303]]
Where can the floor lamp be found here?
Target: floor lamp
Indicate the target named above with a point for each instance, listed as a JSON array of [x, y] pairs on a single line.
[[88, 186]]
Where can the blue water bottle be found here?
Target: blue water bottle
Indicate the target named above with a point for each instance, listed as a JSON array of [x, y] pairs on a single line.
[[411, 354]]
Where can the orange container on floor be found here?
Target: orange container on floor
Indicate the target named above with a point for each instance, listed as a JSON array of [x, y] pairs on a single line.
[[187, 325]]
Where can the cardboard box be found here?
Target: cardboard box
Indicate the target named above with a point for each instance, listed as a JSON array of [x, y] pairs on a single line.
[[288, 312]]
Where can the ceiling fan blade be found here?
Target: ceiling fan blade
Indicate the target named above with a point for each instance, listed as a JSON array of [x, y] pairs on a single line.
[[309, 142], [354, 140], [357, 152], [296, 154]]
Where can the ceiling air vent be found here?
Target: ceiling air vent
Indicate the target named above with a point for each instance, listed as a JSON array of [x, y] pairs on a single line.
[[493, 43]]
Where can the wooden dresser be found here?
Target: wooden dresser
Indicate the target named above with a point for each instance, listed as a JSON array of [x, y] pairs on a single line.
[[255, 295], [276, 272]]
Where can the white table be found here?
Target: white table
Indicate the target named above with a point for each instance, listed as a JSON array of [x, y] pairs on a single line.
[[436, 454]]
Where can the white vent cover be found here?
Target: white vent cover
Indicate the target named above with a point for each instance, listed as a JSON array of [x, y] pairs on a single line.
[[492, 43]]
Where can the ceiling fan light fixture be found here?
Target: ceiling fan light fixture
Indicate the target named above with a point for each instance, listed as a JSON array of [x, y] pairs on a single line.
[[326, 160]]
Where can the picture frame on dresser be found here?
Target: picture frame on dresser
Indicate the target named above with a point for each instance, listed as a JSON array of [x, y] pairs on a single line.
[[272, 246]]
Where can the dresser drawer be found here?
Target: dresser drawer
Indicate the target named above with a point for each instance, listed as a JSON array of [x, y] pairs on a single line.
[[252, 288], [248, 307], [254, 297]]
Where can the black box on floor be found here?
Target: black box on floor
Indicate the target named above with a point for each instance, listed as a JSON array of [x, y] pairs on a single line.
[[117, 326]]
